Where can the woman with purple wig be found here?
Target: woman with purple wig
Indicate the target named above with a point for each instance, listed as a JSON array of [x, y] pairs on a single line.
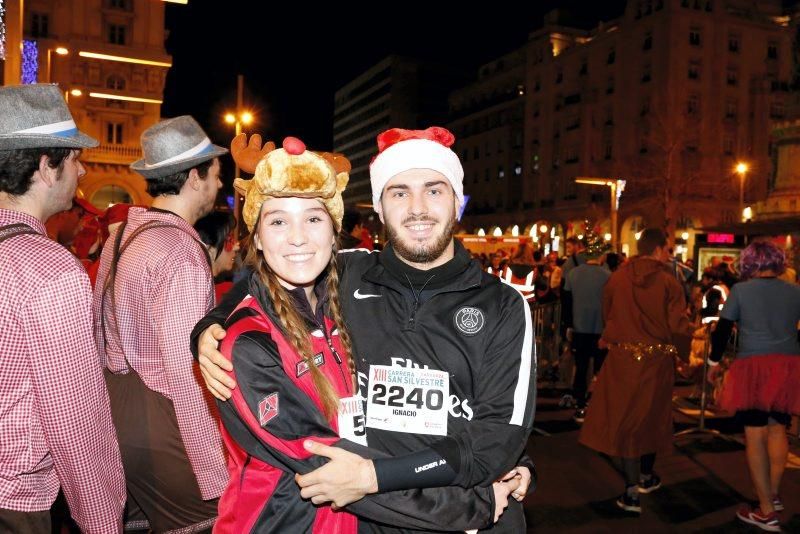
[[762, 383]]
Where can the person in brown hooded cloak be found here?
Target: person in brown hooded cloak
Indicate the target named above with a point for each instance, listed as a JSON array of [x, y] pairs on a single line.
[[630, 416]]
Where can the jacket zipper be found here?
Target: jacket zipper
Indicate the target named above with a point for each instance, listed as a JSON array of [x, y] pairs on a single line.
[[415, 308], [337, 357], [244, 468]]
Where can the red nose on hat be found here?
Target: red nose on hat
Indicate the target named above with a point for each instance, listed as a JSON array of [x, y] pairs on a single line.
[[294, 146]]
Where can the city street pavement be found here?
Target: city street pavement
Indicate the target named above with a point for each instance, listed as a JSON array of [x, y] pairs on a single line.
[[705, 480]]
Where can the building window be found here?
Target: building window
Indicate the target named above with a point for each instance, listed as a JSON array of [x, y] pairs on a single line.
[[772, 50], [694, 37], [612, 56], [733, 43], [518, 138], [610, 86], [517, 168], [732, 77], [608, 149], [644, 109], [584, 67], [572, 155], [117, 34], [559, 76], [465, 155], [727, 146], [537, 85], [115, 82], [114, 133], [486, 175], [647, 44], [693, 105], [40, 25], [694, 70], [500, 147], [646, 76], [731, 109], [573, 122], [501, 172], [120, 4], [609, 116], [536, 111], [476, 153], [488, 149]]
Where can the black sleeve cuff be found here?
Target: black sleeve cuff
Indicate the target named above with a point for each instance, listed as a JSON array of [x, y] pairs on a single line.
[[422, 469], [220, 313]]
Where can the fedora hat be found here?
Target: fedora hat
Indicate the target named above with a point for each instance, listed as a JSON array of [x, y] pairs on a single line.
[[174, 145], [36, 116]]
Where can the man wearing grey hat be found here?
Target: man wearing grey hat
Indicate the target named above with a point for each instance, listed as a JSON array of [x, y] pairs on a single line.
[[153, 285], [53, 435]]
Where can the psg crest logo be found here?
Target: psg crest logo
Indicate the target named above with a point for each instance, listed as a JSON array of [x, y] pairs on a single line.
[[469, 320]]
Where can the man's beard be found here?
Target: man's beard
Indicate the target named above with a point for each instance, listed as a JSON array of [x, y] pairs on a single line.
[[416, 252]]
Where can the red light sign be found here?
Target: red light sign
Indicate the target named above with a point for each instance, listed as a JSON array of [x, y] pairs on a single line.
[[721, 238]]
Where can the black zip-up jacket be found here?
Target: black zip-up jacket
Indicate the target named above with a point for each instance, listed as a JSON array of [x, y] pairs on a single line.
[[462, 321]]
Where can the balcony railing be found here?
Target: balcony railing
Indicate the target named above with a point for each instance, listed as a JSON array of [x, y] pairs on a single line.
[[108, 153]]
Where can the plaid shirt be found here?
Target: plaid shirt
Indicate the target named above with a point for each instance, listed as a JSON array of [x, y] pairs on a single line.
[[55, 419], [163, 287]]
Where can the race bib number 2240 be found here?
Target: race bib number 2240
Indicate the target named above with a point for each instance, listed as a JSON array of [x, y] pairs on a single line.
[[404, 399]]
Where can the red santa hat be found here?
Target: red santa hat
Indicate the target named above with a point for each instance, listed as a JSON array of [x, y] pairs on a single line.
[[116, 214], [400, 150]]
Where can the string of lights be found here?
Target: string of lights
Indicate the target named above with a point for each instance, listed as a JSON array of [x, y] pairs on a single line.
[[30, 61], [2, 30]]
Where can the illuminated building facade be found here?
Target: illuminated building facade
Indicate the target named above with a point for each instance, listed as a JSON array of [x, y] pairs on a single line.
[[109, 58]]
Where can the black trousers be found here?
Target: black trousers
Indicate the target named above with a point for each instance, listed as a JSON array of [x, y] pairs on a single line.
[[584, 348], [15, 522]]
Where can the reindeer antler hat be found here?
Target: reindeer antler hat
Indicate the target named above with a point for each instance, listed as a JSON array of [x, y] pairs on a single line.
[[291, 171]]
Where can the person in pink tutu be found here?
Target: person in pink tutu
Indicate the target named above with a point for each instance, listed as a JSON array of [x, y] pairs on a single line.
[[761, 384]]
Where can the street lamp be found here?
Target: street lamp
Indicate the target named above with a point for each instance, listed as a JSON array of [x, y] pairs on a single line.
[[741, 169], [61, 51], [72, 92], [237, 120], [617, 187]]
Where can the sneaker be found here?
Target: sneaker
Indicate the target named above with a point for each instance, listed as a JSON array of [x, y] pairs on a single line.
[[580, 415], [650, 485], [777, 503], [753, 516], [629, 504]]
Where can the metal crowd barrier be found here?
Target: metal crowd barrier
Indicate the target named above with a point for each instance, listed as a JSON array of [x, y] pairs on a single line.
[[546, 319]]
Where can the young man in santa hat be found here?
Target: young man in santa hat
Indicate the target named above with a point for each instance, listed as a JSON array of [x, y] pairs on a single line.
[[444, 351]]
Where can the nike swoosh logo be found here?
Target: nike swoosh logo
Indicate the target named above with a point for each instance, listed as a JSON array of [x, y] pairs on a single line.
[[363, 295]]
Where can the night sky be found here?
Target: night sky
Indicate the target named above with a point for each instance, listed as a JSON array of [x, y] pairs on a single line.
[[293, 62]]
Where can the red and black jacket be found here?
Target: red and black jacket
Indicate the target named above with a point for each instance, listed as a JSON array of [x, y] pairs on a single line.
[[275, 407]]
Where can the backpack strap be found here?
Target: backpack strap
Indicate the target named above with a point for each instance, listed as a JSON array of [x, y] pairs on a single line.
[[118, 250], [13, 230]]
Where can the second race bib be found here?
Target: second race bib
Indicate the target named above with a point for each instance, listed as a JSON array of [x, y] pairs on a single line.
[[351, 420]]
